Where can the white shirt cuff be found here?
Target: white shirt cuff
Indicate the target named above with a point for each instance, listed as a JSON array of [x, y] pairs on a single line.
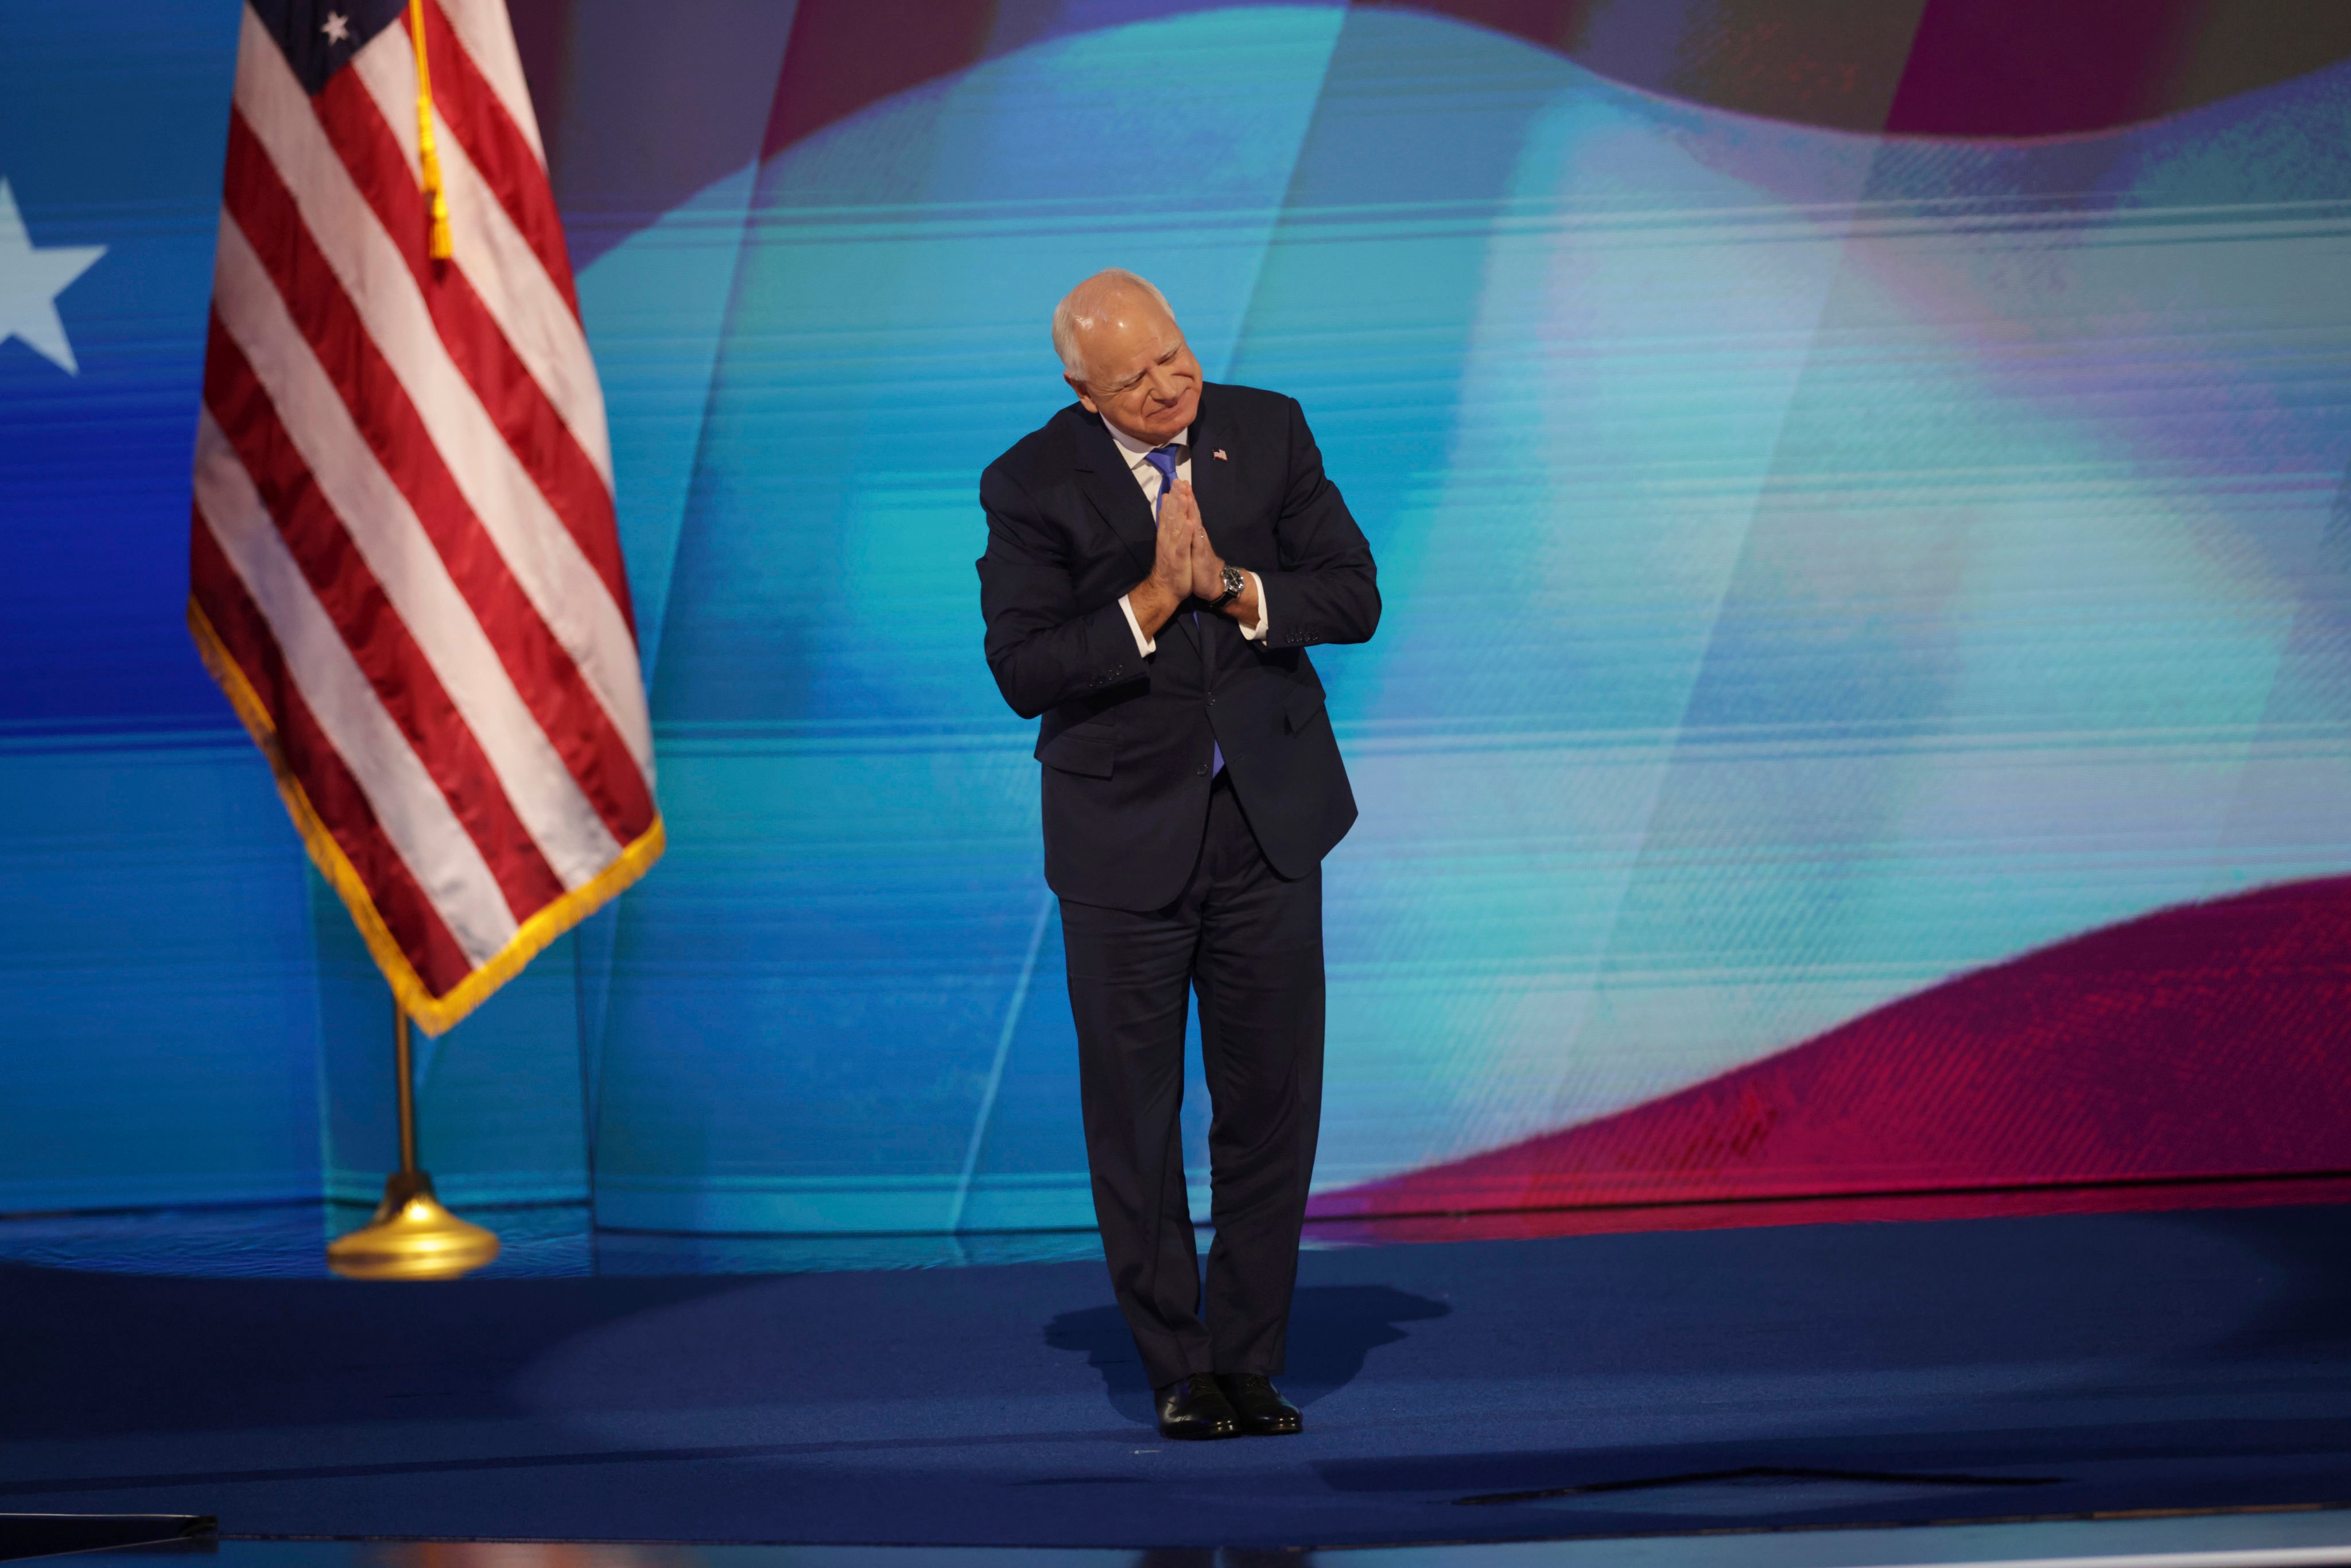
[[1148, 646], [1264, 616], [1144, 645]]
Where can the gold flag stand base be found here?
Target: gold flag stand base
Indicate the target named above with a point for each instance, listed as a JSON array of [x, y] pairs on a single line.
[[412, 1237]]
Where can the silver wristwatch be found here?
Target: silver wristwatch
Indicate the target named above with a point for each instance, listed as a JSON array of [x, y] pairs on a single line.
[[1234, 583]]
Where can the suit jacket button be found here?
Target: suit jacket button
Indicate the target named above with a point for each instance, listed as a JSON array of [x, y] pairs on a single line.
[[1201, 771]]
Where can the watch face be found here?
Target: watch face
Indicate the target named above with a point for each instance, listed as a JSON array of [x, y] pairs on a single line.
[[1234, 580]]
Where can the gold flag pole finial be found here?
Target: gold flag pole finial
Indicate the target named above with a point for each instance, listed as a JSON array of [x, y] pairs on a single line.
[[436, 200], [412, 1237]]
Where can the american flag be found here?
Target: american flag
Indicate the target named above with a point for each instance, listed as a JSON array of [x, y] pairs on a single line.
[[405, 571]]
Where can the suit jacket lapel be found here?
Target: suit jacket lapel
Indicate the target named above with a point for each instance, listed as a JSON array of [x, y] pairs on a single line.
[[1213, 488], [1109, 484], [1212, 477]]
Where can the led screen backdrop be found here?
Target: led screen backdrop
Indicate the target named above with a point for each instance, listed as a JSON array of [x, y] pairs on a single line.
[[1860, 496]]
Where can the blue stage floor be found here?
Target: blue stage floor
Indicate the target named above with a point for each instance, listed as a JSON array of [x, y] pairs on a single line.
[[1600, 1387]]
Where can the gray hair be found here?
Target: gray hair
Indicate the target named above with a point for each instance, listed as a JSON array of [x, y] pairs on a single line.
[[1082, 308]]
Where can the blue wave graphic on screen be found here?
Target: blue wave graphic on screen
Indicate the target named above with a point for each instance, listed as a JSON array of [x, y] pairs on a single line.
[[1816, 564]]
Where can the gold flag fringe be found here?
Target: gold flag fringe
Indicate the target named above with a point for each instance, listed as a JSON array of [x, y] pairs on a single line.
[[432, 1014]]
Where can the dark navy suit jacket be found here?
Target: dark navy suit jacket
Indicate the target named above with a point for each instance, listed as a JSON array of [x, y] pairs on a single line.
[[1126, 740]]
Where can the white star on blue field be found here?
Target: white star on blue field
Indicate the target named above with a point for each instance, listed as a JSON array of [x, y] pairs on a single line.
[[31, 278]]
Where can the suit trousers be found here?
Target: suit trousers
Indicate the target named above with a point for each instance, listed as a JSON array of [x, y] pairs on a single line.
[[1249, 945]]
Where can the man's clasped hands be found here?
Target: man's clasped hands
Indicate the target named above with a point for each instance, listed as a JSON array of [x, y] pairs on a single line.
[[1185, 566]]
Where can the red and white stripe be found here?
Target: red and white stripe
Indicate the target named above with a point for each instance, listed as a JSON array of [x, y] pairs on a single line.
[[405, 564]]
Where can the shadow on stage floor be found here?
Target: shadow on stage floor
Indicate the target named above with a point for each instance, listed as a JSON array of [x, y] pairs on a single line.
[[1813, 1376], [1332, 1329]]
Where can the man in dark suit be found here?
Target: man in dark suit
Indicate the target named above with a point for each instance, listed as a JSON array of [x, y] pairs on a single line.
[[1160, 556]]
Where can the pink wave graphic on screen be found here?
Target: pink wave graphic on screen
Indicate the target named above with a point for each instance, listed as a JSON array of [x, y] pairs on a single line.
[[2195, 1044]]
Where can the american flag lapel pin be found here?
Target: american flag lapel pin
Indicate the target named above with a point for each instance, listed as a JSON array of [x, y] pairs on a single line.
[[1220, 455]]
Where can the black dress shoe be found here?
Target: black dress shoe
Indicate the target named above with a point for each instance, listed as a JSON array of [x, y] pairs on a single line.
[[1191, 1407], [1258, 1405]]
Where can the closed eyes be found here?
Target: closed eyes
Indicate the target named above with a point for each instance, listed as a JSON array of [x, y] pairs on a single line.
[[1167, 359]]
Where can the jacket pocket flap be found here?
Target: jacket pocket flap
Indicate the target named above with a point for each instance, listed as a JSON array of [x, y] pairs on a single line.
[[1070, 752], [1300, 706]]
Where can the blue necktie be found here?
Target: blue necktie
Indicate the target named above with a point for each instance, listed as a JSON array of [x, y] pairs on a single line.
[[1163, 459]]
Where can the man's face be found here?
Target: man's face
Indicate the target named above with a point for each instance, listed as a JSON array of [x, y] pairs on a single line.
[[1140, 373]]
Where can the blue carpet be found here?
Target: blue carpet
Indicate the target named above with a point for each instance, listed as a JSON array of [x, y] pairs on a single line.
[[1705, 1380]]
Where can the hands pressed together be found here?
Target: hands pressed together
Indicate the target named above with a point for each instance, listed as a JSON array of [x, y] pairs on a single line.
[[1185, 567]]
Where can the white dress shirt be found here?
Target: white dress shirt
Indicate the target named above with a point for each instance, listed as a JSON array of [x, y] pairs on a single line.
[[1138, 462]]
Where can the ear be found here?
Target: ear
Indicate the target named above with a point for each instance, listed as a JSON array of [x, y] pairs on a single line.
[[1079, 387]]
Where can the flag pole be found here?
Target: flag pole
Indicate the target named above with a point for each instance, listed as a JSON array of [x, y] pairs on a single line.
[[412, 1237]]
